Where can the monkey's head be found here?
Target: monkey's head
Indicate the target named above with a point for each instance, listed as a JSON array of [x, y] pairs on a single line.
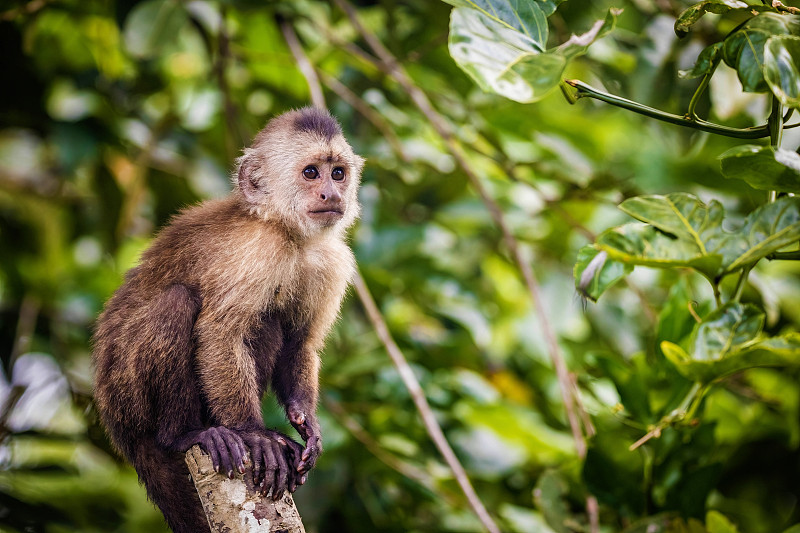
[[301, 171]]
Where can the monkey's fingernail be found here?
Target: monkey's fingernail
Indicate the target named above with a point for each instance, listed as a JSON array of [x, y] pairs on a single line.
[[304, 478], [216, 469]]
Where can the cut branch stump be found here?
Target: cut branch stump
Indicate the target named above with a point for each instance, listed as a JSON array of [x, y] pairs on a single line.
[[234, 505]]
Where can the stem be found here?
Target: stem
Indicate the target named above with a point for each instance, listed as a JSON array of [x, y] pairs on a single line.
[[685, 410], [697, 94], [775, 127], [584, 90]]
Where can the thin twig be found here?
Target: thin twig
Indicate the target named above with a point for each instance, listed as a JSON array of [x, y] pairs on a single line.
[[399, 360], [26, 325], [305, 66], [421, 402], [220, 67], [391, 67]]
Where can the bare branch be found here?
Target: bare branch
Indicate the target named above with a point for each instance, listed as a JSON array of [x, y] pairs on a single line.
[[421, 402], [305, 66]]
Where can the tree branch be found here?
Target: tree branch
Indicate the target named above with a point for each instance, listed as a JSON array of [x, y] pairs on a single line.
[[421, 402], [235, 505]]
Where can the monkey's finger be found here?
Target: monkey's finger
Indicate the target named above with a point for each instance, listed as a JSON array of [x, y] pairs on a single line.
[[282, 472], [234, 445], [207, 440], [270, 471], [256, 455], [222, 451]]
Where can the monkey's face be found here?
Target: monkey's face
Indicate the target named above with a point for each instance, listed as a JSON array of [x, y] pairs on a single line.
[[304, 179]]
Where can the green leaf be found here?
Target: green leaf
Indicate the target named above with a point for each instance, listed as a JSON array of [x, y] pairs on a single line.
[[776, 351], [781, 71], [680, 214], [692, 14], [594, 272], [550, 496], [716, 522], [503, 50], [766, 230], [725, 330], [743, 50], [152, 25], [706, 63], [642, 244], [493, 54], [681, 231], [763, 167]]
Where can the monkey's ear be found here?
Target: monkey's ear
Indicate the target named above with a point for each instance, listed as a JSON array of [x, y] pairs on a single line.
[[248, 181]]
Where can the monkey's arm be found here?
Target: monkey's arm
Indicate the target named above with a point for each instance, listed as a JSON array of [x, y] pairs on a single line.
[[295, 381], [229, 380]]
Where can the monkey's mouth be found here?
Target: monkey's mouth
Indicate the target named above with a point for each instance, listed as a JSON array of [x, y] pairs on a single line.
[[326, 217]]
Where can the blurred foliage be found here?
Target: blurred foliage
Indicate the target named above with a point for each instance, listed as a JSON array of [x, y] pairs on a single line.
[[116, 114]]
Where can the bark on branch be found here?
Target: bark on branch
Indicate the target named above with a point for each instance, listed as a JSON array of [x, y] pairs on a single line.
[[234, 506]]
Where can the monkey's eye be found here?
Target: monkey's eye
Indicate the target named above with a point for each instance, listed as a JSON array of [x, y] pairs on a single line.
[[310, 172], [338, 174]]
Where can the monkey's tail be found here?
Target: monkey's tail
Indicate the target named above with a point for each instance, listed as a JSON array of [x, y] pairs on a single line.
[[166, 478]]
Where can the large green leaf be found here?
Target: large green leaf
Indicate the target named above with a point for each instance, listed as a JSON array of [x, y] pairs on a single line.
[[743, 50], [763, 167], [782, 70], [693, 13], [503, 50], [681, 231], [680, 214], [594, 272], [776, 351], [642, 244]]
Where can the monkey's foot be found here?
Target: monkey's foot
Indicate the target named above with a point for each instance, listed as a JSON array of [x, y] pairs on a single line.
[[273, 453], [225, 447]]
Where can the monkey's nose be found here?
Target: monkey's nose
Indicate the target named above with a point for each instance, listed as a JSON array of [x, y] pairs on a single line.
[[330, 195]]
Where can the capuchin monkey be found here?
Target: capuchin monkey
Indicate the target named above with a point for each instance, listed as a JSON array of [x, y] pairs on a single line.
[[234, 296]]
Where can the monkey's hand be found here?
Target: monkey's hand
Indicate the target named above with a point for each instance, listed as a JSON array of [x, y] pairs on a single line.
[[225, 447], [307, 426], [273, 453]]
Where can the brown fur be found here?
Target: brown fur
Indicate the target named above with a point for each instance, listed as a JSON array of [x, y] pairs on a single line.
[[233, 296]]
